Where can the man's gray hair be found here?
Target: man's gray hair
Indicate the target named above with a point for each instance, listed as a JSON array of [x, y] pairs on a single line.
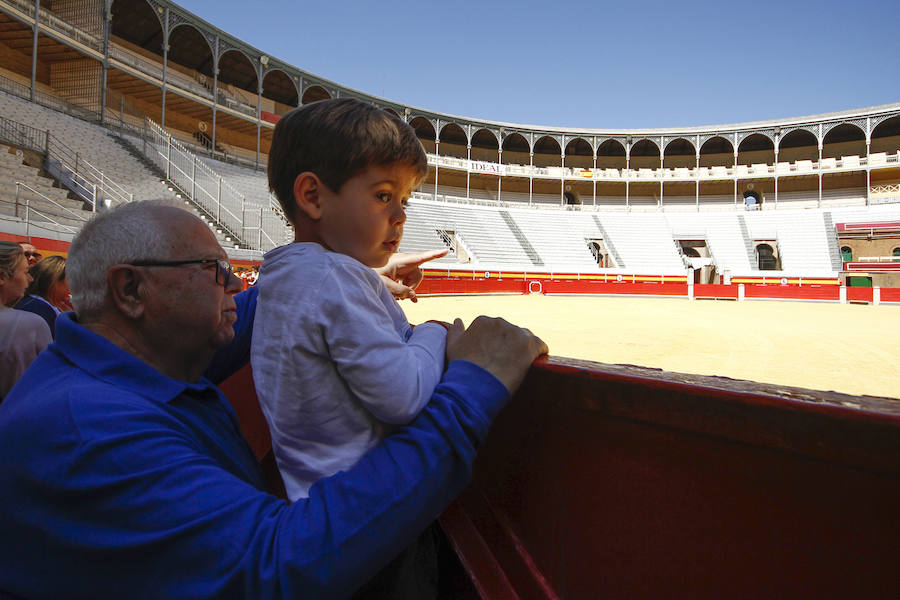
[[123, 234]]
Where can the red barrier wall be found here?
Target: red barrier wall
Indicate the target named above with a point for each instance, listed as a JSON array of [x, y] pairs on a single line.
[[789, 292], [609, 482], [599, 287], [472, 286], [890, 294], [728, 292], [859, 294]]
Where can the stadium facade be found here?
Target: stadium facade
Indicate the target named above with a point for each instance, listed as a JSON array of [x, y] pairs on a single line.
[[783, 199]]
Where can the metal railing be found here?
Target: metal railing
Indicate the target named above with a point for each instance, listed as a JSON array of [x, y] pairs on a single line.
[[46, 17], [23, 210], [257, 226]]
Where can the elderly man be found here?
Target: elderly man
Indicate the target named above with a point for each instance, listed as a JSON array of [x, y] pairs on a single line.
[[124, 473]]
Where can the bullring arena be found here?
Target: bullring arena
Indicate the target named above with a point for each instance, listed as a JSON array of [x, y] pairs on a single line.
[[765, 251]]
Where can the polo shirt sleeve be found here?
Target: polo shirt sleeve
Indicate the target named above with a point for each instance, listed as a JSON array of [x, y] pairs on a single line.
[[140, 509]]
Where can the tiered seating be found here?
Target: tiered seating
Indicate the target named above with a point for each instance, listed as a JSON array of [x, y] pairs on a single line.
[[92, 144], [420, 234], [481, 229], [560, 240], [643, 242], [726, 239], [251, 183], [50, 205]]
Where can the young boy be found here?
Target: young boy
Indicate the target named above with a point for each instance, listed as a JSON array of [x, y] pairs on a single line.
[[335, 362]]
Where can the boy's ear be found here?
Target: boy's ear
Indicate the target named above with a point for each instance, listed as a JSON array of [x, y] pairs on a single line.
[[307, 197]]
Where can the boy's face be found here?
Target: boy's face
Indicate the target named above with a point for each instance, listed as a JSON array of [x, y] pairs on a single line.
[[365, 219]]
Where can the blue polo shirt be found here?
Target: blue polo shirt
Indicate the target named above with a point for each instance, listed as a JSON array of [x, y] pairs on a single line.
[[117, 481]]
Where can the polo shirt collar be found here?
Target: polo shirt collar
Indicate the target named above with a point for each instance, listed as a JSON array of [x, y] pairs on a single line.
[[100, 358]]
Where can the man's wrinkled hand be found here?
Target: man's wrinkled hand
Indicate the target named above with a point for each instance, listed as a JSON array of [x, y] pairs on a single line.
[[501, 348]]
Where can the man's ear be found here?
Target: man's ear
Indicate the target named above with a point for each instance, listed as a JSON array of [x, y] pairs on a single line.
[[124, 283], [307, 195]]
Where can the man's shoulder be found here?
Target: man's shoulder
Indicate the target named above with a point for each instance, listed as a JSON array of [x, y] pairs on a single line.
[[25, 321]]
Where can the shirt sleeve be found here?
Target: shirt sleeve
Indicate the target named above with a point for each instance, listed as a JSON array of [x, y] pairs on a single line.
[[149, 515], [392, 376], [229, 360]]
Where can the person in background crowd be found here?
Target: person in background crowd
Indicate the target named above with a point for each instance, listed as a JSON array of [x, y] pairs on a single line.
[[31, 253], [22, 335], [48, 294]]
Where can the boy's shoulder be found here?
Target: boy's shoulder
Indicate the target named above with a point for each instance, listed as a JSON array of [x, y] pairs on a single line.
[[313, 264]]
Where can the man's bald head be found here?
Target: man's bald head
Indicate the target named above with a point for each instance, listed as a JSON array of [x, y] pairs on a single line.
[[130, 232]]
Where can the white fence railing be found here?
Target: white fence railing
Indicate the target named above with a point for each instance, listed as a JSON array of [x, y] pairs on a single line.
[[256, 226], [24, 210]]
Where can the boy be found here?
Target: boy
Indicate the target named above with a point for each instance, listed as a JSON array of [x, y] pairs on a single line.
[[335, 362]]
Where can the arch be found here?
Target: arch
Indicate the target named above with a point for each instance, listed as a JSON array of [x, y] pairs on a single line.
[[679, 152], [756, 148], [645, 154], [847, 253], [237, 69], [485, 138], [611, 154], [799, 144], [690, 252], [886, 135], [135, 21], [453, 141], [579, 154], [516, 149], [189, 48], [547, 152], [765, 258], [314, 93], [279, 87], [425, 132], [895, 254], [645, 147], [844, 140], [392, 111], [680, 147], [485, 146]]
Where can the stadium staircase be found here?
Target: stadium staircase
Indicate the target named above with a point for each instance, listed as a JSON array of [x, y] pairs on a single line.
[[523, 241], [609, 243]]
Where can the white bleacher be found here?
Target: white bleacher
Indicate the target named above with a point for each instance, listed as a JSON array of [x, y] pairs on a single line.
[[92, 143], [561, 239], [253, 184], [47, 206], [643, 243], [481, 229], [724, 237]]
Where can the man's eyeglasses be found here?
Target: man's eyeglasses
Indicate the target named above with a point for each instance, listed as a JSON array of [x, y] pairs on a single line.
[[31, 254], [224, 269]]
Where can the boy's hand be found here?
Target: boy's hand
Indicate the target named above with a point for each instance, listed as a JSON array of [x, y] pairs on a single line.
[[499, 347], [402, 274]]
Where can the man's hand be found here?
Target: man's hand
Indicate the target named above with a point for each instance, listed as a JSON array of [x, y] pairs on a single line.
[[499, 347], [402, 274]]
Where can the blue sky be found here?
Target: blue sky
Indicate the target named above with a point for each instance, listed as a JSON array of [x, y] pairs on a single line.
[[579, 63]]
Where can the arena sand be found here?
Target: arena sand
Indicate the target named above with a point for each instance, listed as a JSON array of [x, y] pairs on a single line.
[[854, 349]]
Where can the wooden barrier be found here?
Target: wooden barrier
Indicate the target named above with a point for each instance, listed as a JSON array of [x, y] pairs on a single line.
[[620, 482], [601, 481]]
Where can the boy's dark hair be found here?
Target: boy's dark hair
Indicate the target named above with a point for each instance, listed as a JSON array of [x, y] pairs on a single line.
[[336, 140]]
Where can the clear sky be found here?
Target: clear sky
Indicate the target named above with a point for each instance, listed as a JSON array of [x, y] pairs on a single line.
[[588, 63]]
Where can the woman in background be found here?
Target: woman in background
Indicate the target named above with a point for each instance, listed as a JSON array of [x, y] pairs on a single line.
[[48, 294], [22, 334]]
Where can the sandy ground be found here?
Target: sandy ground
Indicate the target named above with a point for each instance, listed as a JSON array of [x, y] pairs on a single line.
[[853, 349]]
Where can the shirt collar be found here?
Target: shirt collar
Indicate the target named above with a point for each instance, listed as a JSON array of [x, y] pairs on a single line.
[[100, 358]]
